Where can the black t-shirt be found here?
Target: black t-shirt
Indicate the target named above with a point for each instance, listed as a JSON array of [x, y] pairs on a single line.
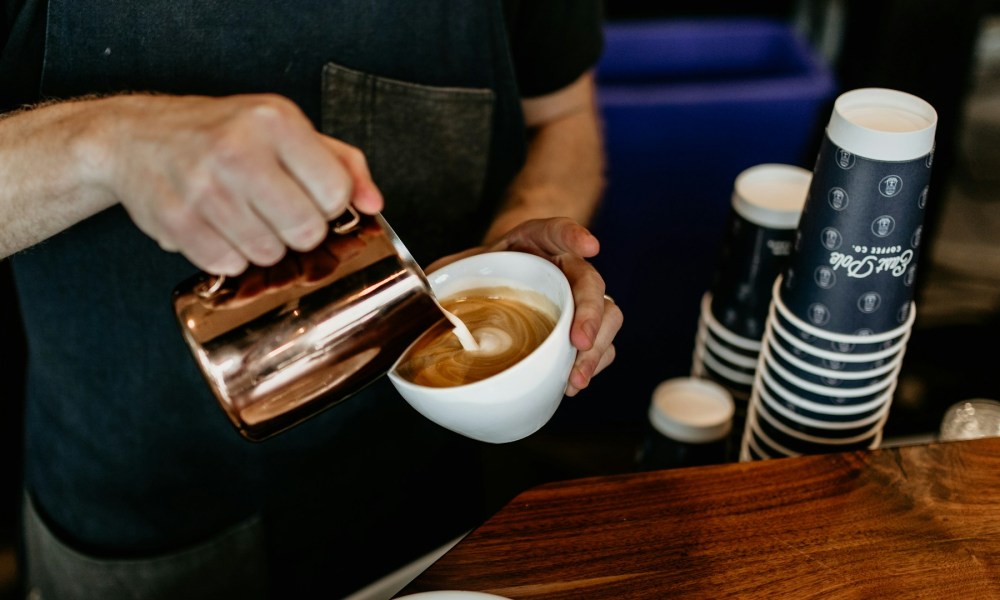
[[552, 43]]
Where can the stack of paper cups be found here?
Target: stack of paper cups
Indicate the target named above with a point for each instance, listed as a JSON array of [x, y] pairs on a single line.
[[842, 310], [766, 204]]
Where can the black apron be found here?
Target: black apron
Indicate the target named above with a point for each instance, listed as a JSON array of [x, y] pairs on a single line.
[[127, 451]]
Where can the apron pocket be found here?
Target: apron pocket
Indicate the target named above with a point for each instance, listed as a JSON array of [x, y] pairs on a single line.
[[428, 150]]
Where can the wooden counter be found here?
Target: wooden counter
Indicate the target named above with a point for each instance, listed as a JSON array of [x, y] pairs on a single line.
[[911, 522]]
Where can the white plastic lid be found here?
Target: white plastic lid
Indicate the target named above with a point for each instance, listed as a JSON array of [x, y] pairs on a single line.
[[693, 410], [883, 124], [771, 194]]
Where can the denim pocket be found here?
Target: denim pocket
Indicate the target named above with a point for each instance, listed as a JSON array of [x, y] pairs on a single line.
[[428, 150]]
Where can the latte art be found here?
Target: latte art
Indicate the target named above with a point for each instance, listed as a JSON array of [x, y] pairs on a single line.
[[507, 324]]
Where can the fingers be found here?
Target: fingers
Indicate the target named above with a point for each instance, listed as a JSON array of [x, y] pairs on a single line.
[[550, 238], [367, 198], [601, 354], [234, 181]]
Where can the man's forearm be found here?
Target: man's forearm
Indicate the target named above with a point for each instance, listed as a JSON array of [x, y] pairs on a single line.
[[43, 163], [564, 171]]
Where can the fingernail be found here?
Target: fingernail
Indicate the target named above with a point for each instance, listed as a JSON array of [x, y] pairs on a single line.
[[231, 264], [304, 237]]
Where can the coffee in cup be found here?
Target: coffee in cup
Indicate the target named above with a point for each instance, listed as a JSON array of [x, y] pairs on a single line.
[[506, 323], [518, 400]]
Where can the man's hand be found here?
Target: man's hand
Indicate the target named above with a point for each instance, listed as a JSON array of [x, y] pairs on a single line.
[[596, 320], [226, 182]]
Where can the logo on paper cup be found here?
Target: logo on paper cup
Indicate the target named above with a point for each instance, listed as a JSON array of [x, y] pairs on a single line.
[[831, 238], [838, 199], [869, 302], [910, 277], [845, 160], [825, 277], [819, 314], [883, 226], [860, 234], [890, 185]]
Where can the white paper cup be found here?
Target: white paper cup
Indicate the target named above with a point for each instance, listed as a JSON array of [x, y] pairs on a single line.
[[519, 401]]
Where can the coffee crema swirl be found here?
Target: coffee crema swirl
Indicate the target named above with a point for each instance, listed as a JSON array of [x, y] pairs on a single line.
[[507, 324]]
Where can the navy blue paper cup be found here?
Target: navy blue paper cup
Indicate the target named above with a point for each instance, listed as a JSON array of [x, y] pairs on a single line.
[[861, 341], [837, 403], [819, 432], [725, 337], [763, 445], [780, 440], [753, 450], [853, 263], [736, 361], [827, 377], [830, 359], [822, 418], [821, 394], [715, 369], [767, 202]]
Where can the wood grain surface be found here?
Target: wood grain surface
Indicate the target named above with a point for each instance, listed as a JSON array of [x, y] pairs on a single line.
[[911, 522]]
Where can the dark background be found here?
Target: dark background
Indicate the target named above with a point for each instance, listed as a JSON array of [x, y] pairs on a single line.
[[924, 47]]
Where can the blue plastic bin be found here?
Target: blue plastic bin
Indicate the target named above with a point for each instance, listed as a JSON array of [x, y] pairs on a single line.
[[687, 105]]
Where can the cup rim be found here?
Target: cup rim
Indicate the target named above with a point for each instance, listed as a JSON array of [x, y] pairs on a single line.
[[822, 390], [756, 448], [707, 360], [720, 330], [832, 336], [752, 419], [830, 373], [686, 430], [805, 437], [448, 393], [740, 360], [755, 430], [878, 144], [763, 396], [778, 215], [851, 357], [826, 409]]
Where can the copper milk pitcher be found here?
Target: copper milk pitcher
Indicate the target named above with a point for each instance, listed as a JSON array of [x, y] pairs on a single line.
[[279, 344]]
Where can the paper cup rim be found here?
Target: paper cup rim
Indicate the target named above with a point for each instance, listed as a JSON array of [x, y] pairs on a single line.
[[764, 397], [805, 437], [740, 360], [851, 357], [833, 336], [867, 141], [687, 431], [734, 376], [768, 362], [774, 211], [826, 409], [787, 356], [721, 331], [892, 371]]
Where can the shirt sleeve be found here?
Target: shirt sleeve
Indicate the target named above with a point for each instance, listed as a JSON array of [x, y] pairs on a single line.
[[553, 42]]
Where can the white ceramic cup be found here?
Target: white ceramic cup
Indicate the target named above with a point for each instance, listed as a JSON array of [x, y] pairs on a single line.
[[518, 401]]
